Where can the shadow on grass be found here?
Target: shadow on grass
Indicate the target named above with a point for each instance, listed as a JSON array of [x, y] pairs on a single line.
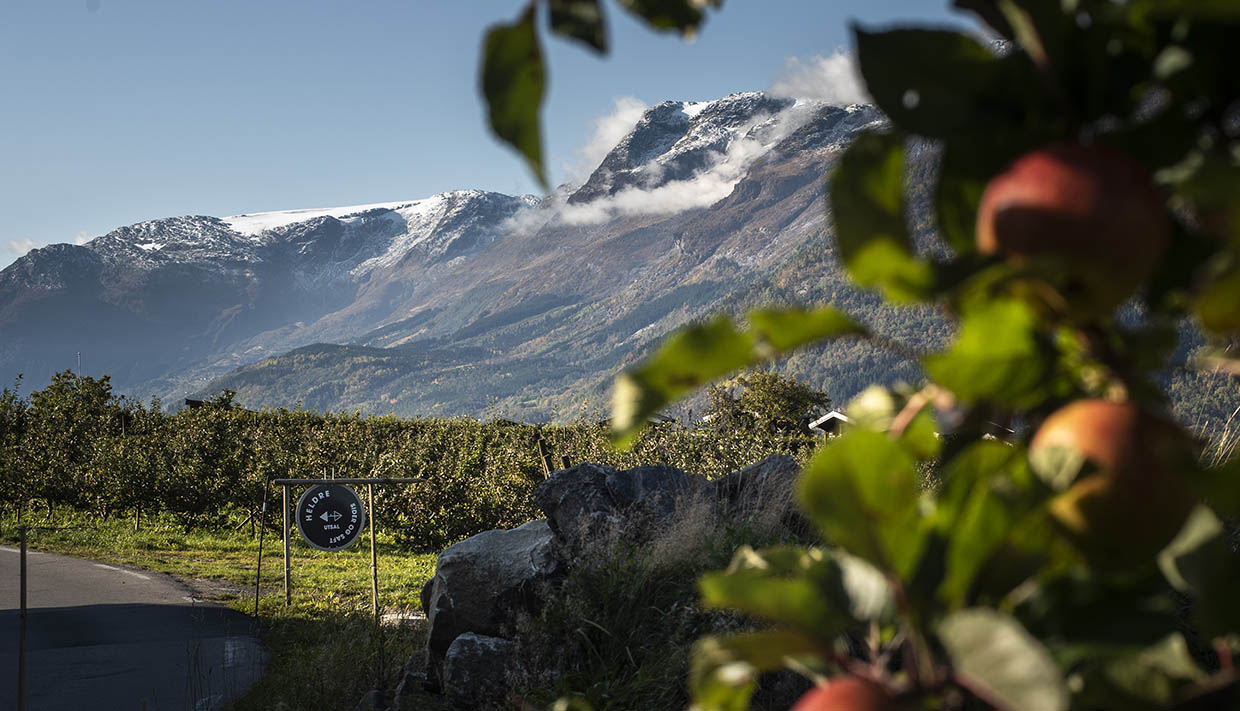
[[329, 659]]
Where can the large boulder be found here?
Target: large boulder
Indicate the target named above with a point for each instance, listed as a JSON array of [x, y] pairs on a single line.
[[590, 501], [412, 679], [764, 492], [474, 671], [480, 583]]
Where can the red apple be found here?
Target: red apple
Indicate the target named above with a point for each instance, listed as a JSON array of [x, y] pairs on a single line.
[[849, 693], [1137, 497], [1087, 214]]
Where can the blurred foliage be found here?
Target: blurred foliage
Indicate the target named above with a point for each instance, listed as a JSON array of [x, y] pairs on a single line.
[[998, 592]]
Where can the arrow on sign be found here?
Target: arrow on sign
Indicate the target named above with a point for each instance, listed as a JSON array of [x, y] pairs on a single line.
[[332, 515]]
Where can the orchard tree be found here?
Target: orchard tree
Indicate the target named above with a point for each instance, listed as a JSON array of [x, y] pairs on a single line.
[[763, 400], [207, 451], [128, 460], [63, 422], [1089, 165], [13, 415]]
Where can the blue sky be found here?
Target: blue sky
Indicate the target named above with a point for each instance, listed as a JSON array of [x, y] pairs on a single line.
[[116, 111]]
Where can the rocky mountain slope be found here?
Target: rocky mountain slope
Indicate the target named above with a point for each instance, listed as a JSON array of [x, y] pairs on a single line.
[[464, 302]]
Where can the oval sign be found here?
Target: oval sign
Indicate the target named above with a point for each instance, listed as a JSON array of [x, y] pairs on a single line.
[[330, 517]]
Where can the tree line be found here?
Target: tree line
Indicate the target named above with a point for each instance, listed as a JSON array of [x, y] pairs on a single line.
[[77, 445]]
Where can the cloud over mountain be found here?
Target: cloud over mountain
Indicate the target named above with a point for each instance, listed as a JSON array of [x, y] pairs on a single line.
[[834, 79], [605, 132]]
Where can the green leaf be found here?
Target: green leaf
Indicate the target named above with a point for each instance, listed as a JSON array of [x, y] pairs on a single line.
[[993, 656], [581, 20], [1058, 467], [1087, 619], [1199, 562], [723, 673], [1209, 182], [513, 83], [788, 328], [687, 360], [866, 588], [958, 195], [571, 703], [824, 593], [1218, 302], [1202, 529], [862, 491], [999, 356], [873, 408], [694, 356], [943, 84], [921, 437], [988, 495], [998, 543], [989, 12], [683, 16], [792, 601], [1156, 674], [1220, 486], [876, 408], [1226, 10], [982, 526], [867, 199]]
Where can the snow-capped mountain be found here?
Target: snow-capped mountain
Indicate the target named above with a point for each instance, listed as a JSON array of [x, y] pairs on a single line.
[[318, 245], [699, 199]]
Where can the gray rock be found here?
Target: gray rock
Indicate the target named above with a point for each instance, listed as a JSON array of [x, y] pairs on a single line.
[[765, 489], [428, 590], [480, 582], [655, 488], [587, 501], [374, 700], [576, 499], [474, 671], [412, 681]]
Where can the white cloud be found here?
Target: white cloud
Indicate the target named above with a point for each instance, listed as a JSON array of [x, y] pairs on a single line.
[[82, 237], [834, 79], [20, 246], [605, 132]]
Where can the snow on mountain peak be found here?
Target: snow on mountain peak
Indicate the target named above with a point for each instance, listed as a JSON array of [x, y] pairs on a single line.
[[683, 154], [253, 224], [693, 108]]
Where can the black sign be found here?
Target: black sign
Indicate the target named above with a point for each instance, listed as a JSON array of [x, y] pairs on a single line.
[[330, 517]]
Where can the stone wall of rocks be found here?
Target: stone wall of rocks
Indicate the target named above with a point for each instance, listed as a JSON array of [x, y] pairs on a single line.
[[484, 584]]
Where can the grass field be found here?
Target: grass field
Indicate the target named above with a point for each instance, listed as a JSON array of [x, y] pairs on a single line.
[[331, 600]]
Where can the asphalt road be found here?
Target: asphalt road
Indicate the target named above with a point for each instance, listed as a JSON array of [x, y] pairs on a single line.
[[101, 637]]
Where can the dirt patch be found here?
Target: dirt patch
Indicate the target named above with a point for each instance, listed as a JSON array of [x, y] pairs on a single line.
[[213, 590]]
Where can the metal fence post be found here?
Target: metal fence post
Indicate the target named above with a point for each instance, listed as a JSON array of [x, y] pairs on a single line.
[[288, 593], [21, 633]]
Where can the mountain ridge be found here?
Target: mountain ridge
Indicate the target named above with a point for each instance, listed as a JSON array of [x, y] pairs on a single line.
[[699, 199]]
